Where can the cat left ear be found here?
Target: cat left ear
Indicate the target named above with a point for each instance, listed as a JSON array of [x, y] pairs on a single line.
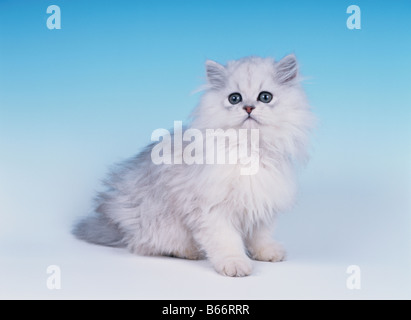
[[216, 74], [287, 69]]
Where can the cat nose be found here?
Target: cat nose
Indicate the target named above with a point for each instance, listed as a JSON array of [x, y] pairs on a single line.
[[249, 109]]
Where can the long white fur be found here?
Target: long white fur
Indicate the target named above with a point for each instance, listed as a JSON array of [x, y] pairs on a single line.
[[196, 211]]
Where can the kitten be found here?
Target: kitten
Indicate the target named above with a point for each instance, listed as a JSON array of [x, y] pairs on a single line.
[[214, 211]]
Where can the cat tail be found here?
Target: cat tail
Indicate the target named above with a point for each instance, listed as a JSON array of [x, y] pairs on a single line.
[[98, 229]]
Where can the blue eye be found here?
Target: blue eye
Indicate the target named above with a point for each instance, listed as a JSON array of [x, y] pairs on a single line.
[[235, 98], [265, 97]]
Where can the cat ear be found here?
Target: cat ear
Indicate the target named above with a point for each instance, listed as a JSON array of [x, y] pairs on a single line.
[[287, 69], [216, 74]]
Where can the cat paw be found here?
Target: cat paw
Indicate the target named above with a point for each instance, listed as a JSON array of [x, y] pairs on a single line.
[[272, 253], [234, 267]]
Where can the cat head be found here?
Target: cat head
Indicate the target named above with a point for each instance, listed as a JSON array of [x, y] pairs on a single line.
[[255, 92], [250, 92]]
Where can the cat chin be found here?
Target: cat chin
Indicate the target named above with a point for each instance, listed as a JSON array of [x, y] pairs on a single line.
[[251, 123]]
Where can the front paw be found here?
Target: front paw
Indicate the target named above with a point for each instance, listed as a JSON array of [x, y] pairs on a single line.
[[234, 267], [273, 253]]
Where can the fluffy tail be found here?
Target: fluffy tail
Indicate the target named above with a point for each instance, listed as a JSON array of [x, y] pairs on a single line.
[[99, 230]]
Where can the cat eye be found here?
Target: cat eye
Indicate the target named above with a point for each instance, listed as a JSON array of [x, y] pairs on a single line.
[[265, 97], [235, 98]]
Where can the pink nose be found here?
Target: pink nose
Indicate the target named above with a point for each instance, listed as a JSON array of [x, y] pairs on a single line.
[[249, 109]]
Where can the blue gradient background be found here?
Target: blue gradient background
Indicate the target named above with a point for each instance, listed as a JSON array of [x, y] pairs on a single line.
[[75, 100]]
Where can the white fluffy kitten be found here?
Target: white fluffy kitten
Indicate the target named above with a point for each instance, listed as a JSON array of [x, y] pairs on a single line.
[[196, 211]]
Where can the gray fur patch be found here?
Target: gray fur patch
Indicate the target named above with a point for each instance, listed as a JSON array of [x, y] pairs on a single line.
[[99, 230]]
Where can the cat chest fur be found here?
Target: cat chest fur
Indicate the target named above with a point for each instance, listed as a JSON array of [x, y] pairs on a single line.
[[246, 199]]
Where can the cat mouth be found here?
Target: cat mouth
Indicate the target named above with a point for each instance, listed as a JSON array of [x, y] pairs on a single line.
[[250, 118]]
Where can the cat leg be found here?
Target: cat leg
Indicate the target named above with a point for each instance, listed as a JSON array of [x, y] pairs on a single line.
[[187, 249], [224, 246], [165, 238], [263, 247], [190, 253]]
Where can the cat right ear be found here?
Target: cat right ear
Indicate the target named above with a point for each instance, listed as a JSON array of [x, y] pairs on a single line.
[[216, 74], [287, 69]]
